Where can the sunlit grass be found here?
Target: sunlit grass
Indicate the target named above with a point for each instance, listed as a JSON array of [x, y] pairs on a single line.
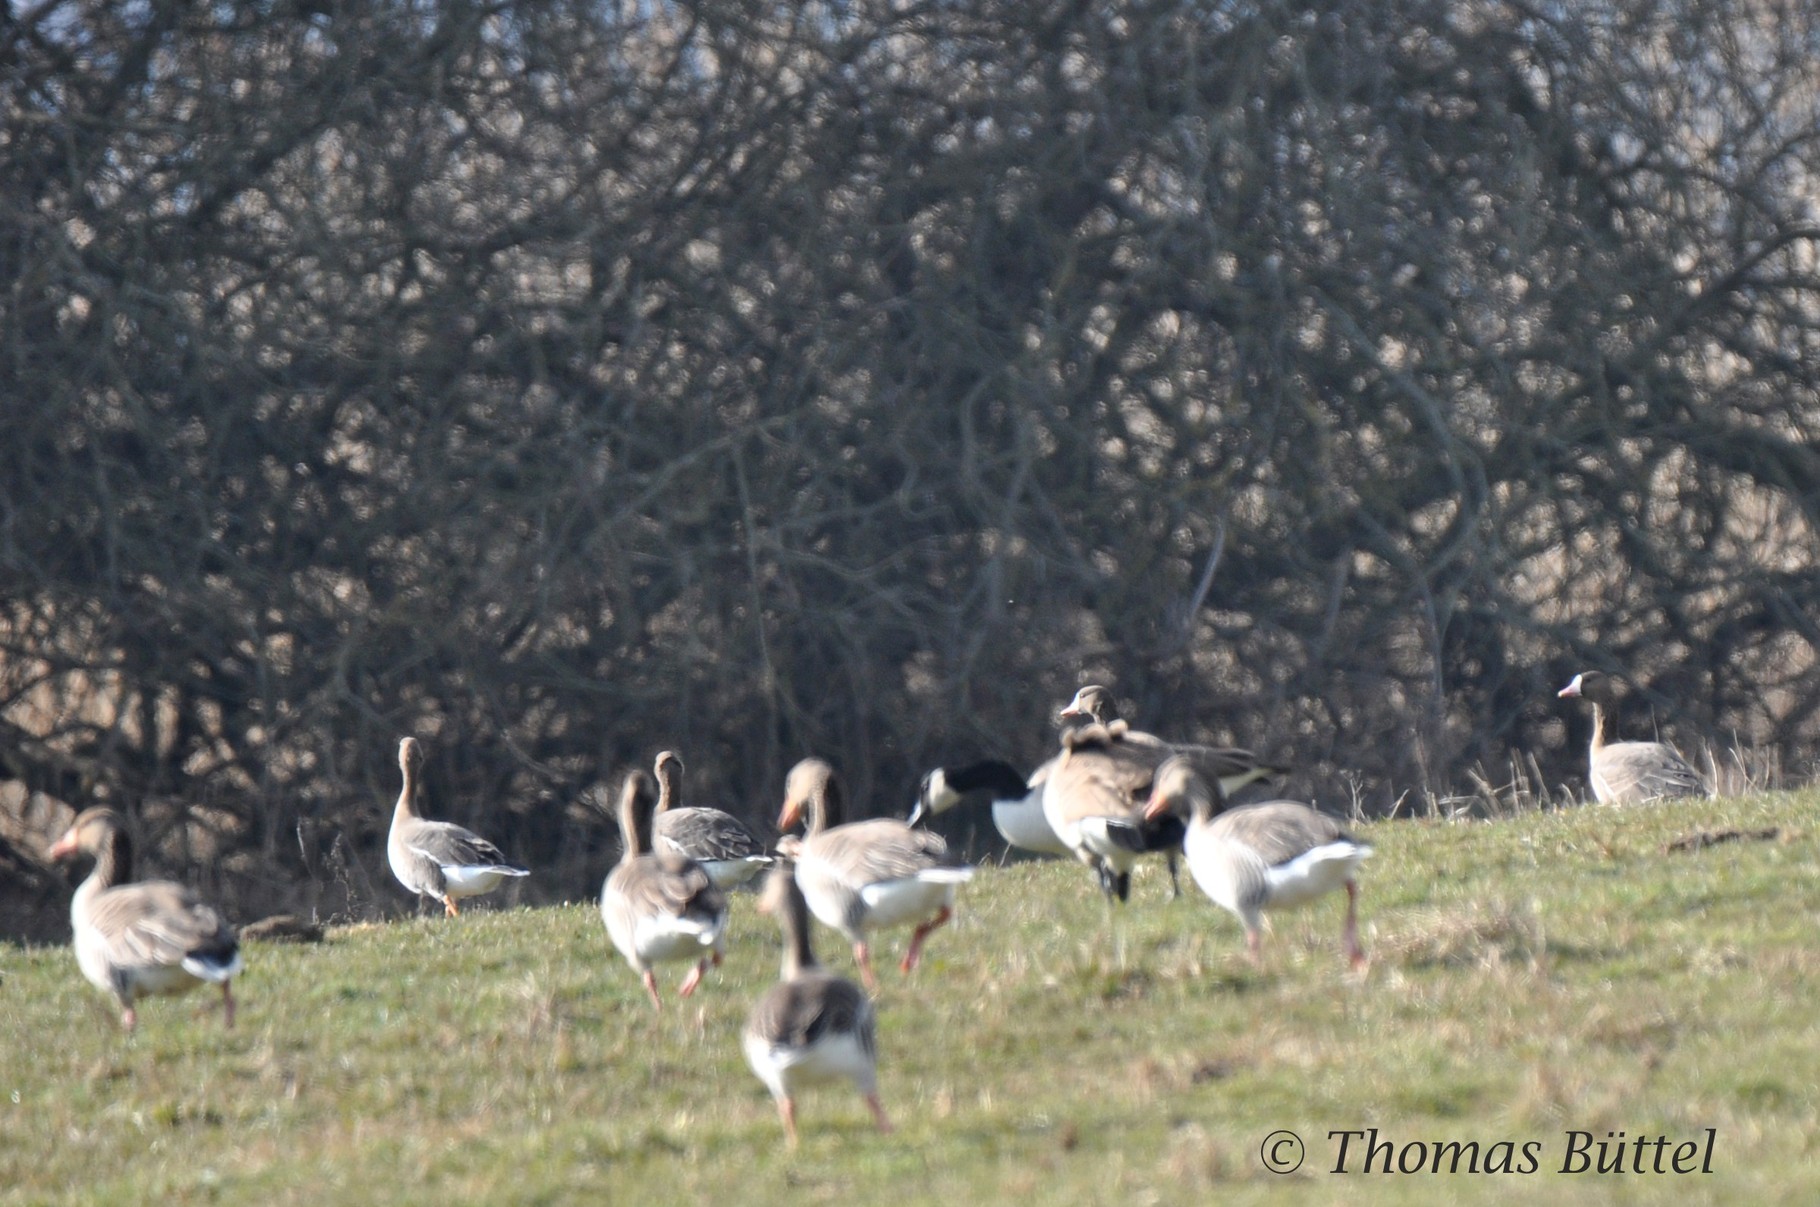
[[1554, 970]]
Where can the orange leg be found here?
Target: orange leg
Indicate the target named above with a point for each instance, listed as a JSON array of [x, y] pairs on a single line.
[[878, 1112], [650, 979], [693, 979], [1354, 954], [450, 909], [863, 958], [922, 932], [786, 1110]]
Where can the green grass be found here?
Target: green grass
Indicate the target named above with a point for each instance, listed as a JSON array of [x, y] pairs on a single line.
[[1530, 975]]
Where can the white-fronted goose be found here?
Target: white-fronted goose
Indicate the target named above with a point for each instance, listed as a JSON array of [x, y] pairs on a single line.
[[1094, 798], [866, 875], [659, 906], [812, 1027], [141, 939], [439, 859], [1272, 855], [717, 840], [1626, 773]]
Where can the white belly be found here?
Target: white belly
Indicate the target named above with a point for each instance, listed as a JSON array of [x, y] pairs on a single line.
[[785, 1069], [1313, 873], [913, 899], [667, 937], [731, 873], [1023, 824], [472, 882]]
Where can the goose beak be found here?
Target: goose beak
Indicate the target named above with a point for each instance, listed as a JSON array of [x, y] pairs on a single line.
[[793, 812], [1155, 807], [916, 814], [64, 847], [1572, 689]]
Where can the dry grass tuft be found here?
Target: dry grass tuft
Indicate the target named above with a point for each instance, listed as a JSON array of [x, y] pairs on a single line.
[[1476, 935]]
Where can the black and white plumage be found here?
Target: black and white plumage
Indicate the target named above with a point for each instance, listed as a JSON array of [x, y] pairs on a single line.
[[439, 859], [1273, 855], [866, 875], [1017, 805], [1628, 773], [714, 838], [659, 906], [812, 1027], [150, 938]]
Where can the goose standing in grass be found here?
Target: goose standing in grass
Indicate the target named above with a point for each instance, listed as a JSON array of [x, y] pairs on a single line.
[[1232, 767], [1626, 773], [1094, 799], [866, 875], [141, 939], [1017, 806], [812, 1027], [659, 906], [1272, 855], [717, 840], [1017, 801], [439, 858]]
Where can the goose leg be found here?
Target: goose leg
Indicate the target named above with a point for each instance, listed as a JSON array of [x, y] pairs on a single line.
[[878, 1112], [863, 958], [786, 1110], [449, 908], [694, 978], [1354, 954], [922, 932], [650, 979], [227, 1003]]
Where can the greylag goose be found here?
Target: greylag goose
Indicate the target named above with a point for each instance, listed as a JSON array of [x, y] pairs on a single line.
[[1625, 773], [717, 840], [812, 1027], [866, 875], [1093, 800], [1272, 855], [659, 906], [141, 939], [439, 858]]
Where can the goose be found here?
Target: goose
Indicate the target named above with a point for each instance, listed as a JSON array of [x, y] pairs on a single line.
[[866, 875], [659, 906], [1093, 801], [717, 840], [1272, 855], [812, 1027], [141, 939], [1017, 806], [1233, 766], [439, 858], [1625, 773], [1017, 802]]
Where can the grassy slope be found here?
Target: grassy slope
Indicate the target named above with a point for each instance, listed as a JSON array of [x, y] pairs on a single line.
[[1553, 971]]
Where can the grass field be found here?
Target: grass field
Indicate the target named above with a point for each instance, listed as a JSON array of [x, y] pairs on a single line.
[[1532, 976]]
